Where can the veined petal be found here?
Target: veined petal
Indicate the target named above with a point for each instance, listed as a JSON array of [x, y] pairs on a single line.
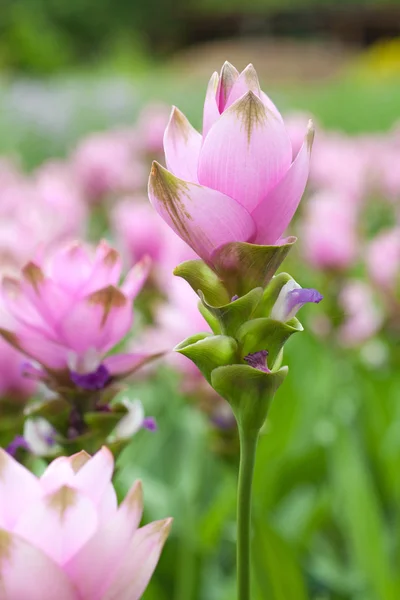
[[59, 523], [139, 562], [228, 77], [28, 573], [18, 488], [182, 145], [71, 267], [21, 308], [203, 218], [246, 152], [106, 269], [94, 477], [276, 210], [247, 81], [211, 111], [93, 567]]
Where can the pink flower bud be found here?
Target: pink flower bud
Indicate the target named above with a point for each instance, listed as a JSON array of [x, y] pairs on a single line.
[[67, 528], [236, 182]]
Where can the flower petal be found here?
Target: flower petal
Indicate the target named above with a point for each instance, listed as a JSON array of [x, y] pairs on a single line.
[[275, 212], [121, 365], [139, 562], [93, 567], [136, 278], [211, 112], [18, 488], [59, 523], [28, 573], [182, 145], [228, 77], [203, 218], [94, 477], [247, 80], [246, 152]]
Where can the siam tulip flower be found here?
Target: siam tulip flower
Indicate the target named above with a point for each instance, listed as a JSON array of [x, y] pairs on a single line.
[[69, 312], [329, 231], [63, 536], [383, 260], [237, 182]]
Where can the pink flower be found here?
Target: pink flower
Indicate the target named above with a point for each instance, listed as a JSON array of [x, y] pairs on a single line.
[[237, 181], [151, 125], [63, 536], [106, 163], [363, 318], [69, 312], [383, 259], [329, 231]]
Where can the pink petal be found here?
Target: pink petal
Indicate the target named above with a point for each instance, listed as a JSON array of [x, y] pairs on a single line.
[[26, 573], [211, 112], [35, 345], [58, 473], [228, 77], [71, 267], [124, 364], [276, 211], [182, 145], [247, 81], [18, 488], [246, 152], [94, 566], [98, 321], [59, 524], [136, 278], [94, 477], [139, 562], [106, 269], [203, 218], [21, 308]]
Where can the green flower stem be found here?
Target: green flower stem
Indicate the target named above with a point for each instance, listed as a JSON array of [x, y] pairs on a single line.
[[248, 447]]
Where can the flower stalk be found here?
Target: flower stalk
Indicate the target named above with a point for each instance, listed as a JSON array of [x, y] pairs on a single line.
[[248, 448]]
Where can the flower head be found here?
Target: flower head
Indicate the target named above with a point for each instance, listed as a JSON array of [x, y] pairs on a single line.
[[68, 313], [67, 527], [238, 181]]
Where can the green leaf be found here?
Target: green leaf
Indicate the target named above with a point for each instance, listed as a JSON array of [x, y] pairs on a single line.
[[249, 391], [231, 316], [276, 570], [209, 352], [271, 294], [266, 334], [200, 277], [243, 267]]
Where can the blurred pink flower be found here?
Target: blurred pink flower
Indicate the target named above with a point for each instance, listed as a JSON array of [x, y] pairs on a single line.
[[363, 317], [328, 231], [383, 260], [68, 312], [151, 125], [107, 163], [237, 181], [63, 536]]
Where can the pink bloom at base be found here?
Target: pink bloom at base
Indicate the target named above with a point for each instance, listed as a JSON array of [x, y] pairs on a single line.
[[68, 311], [239, 181], [63, 536]]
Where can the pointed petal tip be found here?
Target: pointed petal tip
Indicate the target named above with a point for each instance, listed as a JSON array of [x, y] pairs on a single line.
[[310, 134]]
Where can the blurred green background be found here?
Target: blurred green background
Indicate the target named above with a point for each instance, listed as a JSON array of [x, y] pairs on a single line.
[[327, 483]]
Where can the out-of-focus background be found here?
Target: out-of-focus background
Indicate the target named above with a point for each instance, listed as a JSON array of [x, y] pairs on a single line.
[[85, 91]]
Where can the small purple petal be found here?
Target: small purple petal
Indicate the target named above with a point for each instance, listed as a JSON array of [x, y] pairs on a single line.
[[150, 424], [18, 442], [235, 297], [297, 298], [92, 381], [258, 360], [30, 371]]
